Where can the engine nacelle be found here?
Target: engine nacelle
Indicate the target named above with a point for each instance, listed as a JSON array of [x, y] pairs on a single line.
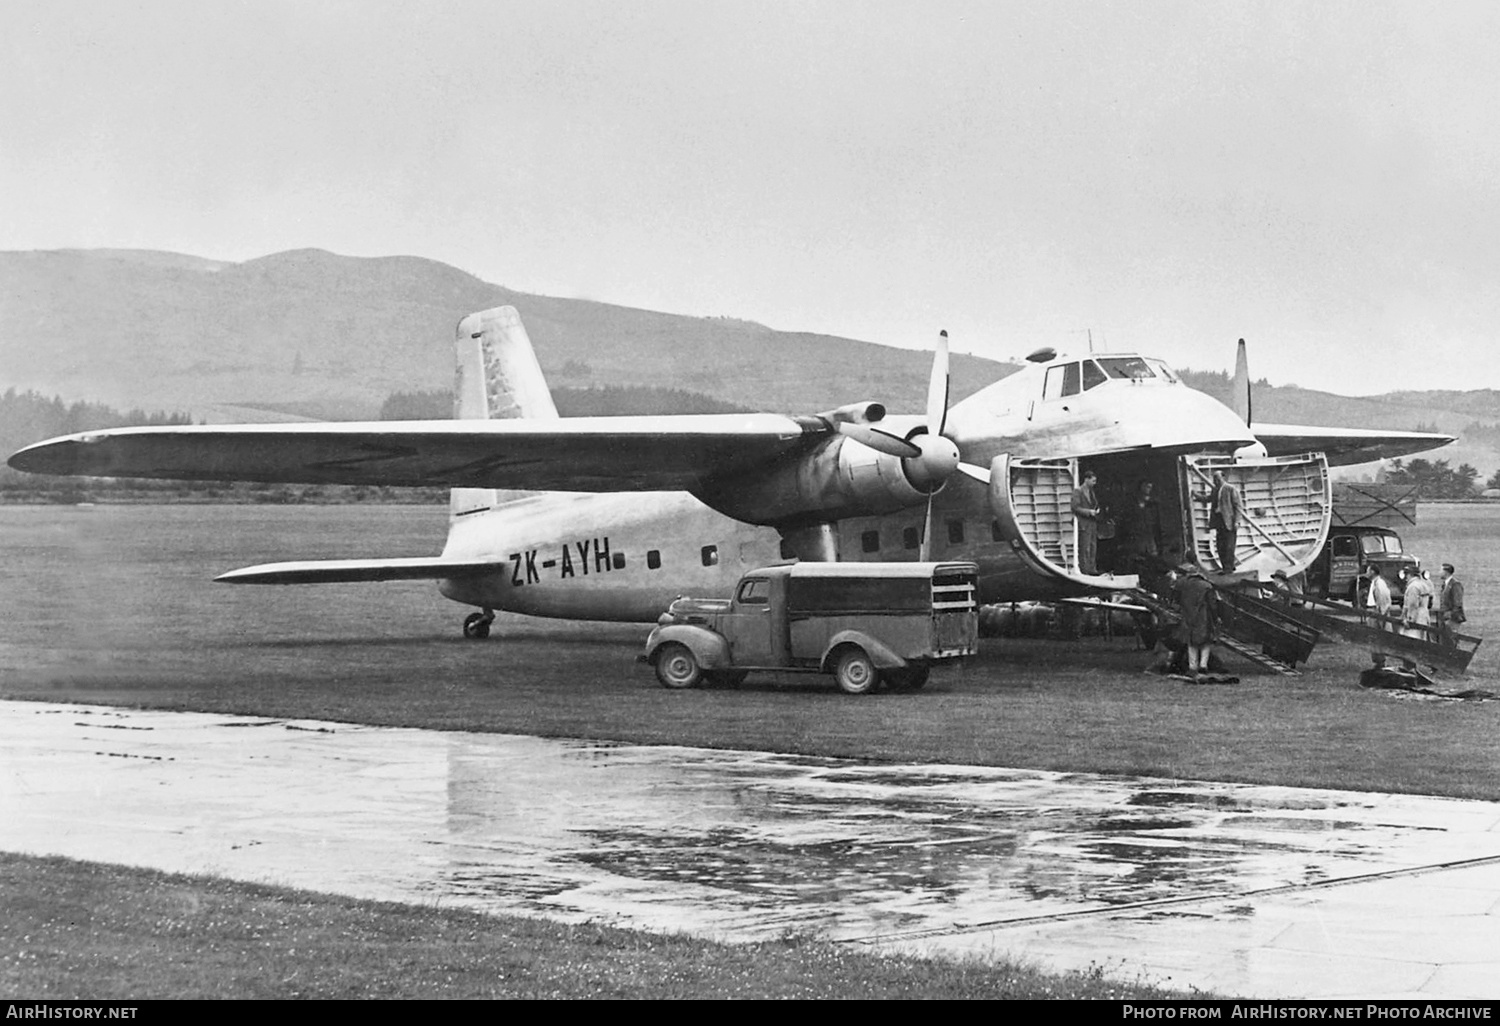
[[840, 478]]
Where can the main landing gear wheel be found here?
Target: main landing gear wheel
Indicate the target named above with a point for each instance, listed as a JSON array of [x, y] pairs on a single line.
[[855, 672], [477, 625], [677, 667]]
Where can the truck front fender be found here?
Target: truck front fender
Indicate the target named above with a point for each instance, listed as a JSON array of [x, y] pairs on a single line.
[[883, 657], [708, 647]]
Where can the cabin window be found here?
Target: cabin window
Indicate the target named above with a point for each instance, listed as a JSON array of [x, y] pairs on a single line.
[[756, 591], [710, 555], [911, 538], [955, 532], [618, 559], [1343, 545], [653, 559], [870, 541], [1092, 375], [995, 534]]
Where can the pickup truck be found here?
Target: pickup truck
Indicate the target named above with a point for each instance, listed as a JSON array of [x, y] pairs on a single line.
[[1336, 571], [865, 623]]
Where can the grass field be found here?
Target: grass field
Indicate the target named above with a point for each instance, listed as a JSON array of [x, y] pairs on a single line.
[[115, 605]]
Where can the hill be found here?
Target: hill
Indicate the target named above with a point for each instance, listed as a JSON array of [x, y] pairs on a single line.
[[338, 335]]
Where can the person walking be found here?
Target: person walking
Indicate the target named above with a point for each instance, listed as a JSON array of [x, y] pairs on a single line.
[[1086, 516], [1450, 610]]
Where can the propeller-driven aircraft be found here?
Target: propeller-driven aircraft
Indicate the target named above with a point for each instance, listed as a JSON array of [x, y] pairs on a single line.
[[616, 516]]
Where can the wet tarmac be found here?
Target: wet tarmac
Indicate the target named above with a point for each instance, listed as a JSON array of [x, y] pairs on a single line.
[[1238, 889]]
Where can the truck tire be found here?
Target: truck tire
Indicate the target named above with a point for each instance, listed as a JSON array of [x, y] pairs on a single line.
[[854, 671], [677, 667]]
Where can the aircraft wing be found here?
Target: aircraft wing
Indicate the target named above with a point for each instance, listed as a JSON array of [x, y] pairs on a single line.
[[1344, 446], [343, 571], [583, 454]]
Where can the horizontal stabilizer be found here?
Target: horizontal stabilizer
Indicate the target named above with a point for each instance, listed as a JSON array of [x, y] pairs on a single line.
[[345, 571]]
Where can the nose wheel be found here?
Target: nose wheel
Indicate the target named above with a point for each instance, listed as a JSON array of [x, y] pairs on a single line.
[[477, 625]]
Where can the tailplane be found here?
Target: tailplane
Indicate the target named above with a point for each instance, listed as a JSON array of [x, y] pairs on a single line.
[[498, 379]]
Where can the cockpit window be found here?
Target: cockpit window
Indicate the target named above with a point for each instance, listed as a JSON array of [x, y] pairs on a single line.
[[1092, 375], [1129, 367], [1163, 370]]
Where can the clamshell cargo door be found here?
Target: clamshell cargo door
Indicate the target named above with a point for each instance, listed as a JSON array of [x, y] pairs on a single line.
[[1033, 505], [1287, 505]]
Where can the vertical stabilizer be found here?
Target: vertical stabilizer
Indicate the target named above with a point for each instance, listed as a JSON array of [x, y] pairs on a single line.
[[498, 379], [1241, 384]]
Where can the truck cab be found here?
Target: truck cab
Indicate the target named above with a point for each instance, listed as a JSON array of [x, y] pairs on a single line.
[[1338, 570], [865, 623]]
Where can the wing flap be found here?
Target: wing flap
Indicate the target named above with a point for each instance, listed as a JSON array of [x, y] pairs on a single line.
[[348, 571], [1345, 446], [584, 454]]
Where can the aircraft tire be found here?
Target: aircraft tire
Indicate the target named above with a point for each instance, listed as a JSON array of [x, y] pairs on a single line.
[[912, 678], [677, 667], [854, 671], [476, 626]]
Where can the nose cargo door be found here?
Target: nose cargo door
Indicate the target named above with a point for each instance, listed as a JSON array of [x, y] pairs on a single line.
[[1033, 505], [1286, 501]]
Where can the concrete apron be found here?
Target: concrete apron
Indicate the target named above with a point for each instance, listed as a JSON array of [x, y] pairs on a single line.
[[1238, 889]]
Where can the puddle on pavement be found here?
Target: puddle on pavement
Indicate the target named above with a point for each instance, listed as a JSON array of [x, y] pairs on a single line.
[[738, 845]]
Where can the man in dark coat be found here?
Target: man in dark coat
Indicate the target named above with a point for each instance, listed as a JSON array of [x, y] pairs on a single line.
[[1197, 601], [1450, 606], [1086, 516], [1140, 527]]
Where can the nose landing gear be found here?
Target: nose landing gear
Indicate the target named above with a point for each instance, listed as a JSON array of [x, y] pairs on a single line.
[[477, 625]]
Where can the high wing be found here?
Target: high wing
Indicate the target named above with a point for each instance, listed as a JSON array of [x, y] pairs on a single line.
[[345, 571], [586, 454], [1345, 446]]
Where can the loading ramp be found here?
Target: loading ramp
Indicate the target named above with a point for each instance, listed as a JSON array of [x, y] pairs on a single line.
[[1260, 632], [1380, 634]]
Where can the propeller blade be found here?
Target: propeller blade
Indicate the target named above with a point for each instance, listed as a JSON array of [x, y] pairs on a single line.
[[937, 387], [925, 551], [979, 474], [1242, 384], [880, 441]]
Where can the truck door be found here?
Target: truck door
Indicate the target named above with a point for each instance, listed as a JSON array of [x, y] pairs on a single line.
[[1286, 504], [750, 624]]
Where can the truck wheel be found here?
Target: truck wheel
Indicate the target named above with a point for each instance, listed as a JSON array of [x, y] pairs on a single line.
[[910, 678], [856, 674], [676, 667]]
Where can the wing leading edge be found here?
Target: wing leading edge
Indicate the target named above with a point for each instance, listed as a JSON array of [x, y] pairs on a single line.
[[1345, 446], [584, 454], [346, 571]]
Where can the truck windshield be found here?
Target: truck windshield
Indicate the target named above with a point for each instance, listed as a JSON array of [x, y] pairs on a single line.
[[1375, 544]]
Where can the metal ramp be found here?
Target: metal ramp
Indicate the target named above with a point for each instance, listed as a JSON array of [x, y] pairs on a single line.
[[1380, 634], [1266, 636]]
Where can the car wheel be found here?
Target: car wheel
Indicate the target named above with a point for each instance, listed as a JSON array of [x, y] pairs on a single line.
[[855, 672], [677, 667]]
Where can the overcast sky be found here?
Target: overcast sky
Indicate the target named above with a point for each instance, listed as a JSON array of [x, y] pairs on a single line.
[[1320, 178]]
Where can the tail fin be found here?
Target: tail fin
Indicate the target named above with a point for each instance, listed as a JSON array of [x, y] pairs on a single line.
[[498, 379], [1241, 386]]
